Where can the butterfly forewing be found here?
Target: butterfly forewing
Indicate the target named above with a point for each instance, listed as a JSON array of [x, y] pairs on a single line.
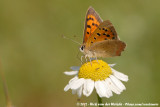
[[92, 21], [105, 31]]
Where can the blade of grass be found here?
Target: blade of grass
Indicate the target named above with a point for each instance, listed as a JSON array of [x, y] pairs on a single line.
[[8, 101]]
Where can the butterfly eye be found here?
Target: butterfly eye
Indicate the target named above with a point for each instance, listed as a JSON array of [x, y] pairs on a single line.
[[82, 48]]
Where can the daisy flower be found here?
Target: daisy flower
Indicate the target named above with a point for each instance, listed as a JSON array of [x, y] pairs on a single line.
[[96, 74]]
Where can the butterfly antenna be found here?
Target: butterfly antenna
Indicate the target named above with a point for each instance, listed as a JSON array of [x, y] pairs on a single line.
[[79, 58], [8, 101], [70, 39]]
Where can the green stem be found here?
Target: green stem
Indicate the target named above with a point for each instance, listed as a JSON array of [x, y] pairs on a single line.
[[8, 101], [99, 100]]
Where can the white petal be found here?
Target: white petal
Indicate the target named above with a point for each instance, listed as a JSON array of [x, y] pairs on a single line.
[[71, 72], [73, 79], [79, 91], [97, 89], [67, 87], [75, 68], [85, 88], [112, 86], [120, 75], [108, 90], [78, 83], [88, 87], [117, 82], [101, 89], [111, 65]]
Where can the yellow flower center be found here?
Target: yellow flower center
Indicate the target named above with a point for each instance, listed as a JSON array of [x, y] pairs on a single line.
[[95, 70]]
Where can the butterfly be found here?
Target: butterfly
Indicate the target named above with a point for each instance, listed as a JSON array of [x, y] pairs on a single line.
[[100, 38]]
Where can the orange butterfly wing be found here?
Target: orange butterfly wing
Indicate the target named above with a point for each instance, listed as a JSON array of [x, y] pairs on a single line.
[[92, 21], [105, 31]]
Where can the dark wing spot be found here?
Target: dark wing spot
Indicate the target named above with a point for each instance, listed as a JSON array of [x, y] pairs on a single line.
[[88, 26], [106, 30], [113, 37], [98, 34], [104, 33], [95, 38], [99, 28], [105, 39], [87, 32], [103, 28], [96, 25], [93, 24], [108, 35], [91, 42], [89, 19]]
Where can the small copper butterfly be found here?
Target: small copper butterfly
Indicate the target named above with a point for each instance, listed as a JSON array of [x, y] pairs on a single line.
[[100, 38]]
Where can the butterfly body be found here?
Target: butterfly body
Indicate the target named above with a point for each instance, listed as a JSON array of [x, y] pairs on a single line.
[[100, 38]]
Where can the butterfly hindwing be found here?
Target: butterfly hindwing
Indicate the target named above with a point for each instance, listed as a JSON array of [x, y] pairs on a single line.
[[92, 21], [108, 48]]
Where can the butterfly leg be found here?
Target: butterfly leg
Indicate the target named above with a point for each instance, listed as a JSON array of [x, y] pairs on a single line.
[[86, 57], [97, 60], [96, 57], [82, 59], [90, 59]]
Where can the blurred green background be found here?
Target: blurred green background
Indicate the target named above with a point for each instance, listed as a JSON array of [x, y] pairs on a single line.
[[34, 55]]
